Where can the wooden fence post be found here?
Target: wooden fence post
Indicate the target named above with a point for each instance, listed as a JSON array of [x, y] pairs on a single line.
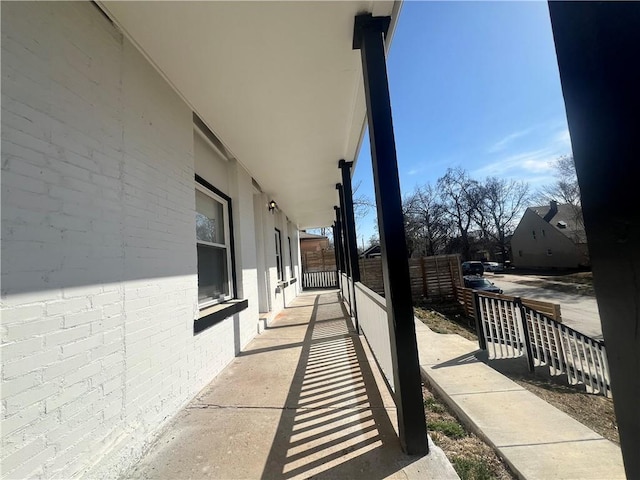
[[525, 333], [424, 278], [556, 313]]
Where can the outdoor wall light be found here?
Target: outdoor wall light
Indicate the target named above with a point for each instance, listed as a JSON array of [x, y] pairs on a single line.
[[272, 205]]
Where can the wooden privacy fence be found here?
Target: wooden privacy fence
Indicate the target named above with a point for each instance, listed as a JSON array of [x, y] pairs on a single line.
[[432, 278], [508, 328], [321, 261], [328, 279]]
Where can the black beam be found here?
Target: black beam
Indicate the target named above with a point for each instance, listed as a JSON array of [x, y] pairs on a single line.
[[345, 250], [335, 252], [345, 229], [352, 255], [598, 50], [349, 215], [368, 37], [338, 239]]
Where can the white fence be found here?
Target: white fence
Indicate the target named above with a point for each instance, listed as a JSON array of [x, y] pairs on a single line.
[[372, 318], [564, 350], [511, 329], [326, 279]]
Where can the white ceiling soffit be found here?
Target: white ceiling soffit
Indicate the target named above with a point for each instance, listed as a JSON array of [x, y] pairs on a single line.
[[277, 82]]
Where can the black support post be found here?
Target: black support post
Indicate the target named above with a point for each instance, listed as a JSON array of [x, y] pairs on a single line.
[[346, 202], [349, 215], [336, 253], [368, 37], [347, 257], [598, 50], [339, 244]]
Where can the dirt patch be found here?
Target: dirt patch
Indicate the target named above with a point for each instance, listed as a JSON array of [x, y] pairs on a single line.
[[594, 411], [439, 323], [470, 456]]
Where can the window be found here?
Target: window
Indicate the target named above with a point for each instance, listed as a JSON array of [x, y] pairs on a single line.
[[534, 234], [279, 255], [213, 242], [290, 256]]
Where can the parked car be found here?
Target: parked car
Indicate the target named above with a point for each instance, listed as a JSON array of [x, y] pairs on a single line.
[[492, 267], [480, 283], [472, 268]]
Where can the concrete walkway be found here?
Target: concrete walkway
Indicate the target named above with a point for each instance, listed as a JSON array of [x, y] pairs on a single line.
[[304, 399], [537, 440]]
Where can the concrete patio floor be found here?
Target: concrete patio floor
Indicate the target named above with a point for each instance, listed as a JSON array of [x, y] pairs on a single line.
[[304, 399]]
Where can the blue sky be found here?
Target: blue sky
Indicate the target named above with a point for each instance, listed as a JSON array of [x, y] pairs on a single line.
[[473, 84]]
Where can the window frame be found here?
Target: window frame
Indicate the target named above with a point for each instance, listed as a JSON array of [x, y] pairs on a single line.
[[279, 263], [290, 258], [206, 188]]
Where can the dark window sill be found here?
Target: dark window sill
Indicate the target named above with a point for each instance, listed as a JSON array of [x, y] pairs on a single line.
[[209, 316]]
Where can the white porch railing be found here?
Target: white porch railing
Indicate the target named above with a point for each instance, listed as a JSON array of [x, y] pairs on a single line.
[[326, 279], [511, 330], [372, 318]]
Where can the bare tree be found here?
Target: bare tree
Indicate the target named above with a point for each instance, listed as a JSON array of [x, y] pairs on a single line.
[[362, 204], [460, 196], [426, 225], [565, 190], [500, 209]]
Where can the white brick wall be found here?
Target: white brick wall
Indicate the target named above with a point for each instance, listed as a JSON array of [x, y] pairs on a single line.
[[99, 284]]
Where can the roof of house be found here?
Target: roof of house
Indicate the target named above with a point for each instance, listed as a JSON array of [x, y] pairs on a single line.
[[567, 219], [373, 250], [311, 236]]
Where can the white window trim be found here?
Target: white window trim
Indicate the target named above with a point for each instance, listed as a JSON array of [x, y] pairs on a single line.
[[227, 235]]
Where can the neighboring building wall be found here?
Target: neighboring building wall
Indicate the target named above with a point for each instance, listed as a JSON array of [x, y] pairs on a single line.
[[314, 244], [530, 252], [99, 269]]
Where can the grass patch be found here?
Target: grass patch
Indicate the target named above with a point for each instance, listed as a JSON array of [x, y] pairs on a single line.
[[433, 405], [443, 323], [451, 429], [472, 468], [470, 456]]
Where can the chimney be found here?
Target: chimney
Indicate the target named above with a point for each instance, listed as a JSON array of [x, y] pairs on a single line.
[[553, 209]]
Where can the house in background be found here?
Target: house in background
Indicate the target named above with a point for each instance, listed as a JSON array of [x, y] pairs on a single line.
[[310, 242], [550, 236], [373, 251]]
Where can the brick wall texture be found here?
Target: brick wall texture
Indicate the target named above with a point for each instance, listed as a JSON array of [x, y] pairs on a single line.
[[99, 283]]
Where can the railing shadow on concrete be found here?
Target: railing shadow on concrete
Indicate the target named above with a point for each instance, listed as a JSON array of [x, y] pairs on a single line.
[[334, 424]]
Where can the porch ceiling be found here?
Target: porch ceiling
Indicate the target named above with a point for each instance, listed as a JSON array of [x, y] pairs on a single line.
[[277, 82]]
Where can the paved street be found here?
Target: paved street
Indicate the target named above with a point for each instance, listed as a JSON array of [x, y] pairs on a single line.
[[579, 312]]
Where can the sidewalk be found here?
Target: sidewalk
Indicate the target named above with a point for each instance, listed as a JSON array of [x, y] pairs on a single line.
[[537, 440], [304, 399]]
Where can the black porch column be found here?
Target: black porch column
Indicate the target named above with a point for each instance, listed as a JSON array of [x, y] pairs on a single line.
[[346, 203], [336, 252], [338, 239], [345, 249], [598, 49], [349, 216], [368, 37]]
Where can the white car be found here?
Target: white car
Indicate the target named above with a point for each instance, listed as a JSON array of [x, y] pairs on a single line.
[[492, 267]]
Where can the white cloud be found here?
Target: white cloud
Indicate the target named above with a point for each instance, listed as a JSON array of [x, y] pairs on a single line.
[[563, 137], [534, 162], [502, 144]]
